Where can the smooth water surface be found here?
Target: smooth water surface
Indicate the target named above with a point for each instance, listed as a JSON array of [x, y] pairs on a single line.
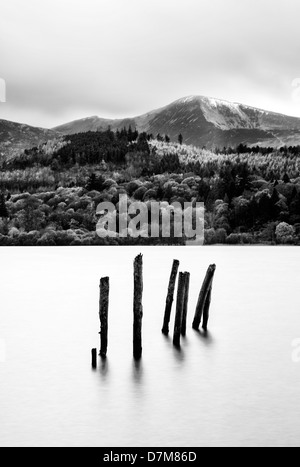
[[238, 386]]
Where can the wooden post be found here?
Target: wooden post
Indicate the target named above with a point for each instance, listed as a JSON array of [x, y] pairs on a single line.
[[94, 358], [185, 302], [138, 307], [170, 297], [103, 313], [206, 310], [207, 283], [179, 310]]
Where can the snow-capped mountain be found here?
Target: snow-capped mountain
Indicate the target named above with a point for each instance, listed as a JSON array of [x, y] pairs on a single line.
[[202, 121], [206, 122]]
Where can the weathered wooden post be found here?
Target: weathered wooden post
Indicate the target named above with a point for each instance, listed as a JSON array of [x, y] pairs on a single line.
[[103, 313], [179, 310], [206, 310], [138, 307], [207, 283], [185, 302], [94, 358], [170, 297]]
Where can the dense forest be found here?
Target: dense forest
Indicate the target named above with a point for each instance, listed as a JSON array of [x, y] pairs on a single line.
[[49, 194]]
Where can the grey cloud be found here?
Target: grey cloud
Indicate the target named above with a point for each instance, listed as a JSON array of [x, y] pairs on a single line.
[[115, 58]]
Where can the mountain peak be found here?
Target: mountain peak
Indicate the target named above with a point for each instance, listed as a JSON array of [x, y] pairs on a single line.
[[204, 121]]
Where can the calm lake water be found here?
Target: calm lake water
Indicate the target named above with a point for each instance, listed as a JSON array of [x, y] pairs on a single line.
[[237, 387]]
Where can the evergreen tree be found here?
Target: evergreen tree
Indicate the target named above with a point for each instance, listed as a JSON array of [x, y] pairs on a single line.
[[180, 139], [95, 183], [142, 143], [3, 208]]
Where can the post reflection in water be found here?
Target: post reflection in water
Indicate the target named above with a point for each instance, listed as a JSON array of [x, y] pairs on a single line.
[[137, 371], [179, 354], [104, 367], [205, 337]]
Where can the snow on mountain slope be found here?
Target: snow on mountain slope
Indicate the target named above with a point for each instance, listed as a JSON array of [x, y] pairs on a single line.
[[224, 115], [230, 115]]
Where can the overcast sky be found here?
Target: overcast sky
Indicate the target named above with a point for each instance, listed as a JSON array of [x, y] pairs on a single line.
[[68, 59]]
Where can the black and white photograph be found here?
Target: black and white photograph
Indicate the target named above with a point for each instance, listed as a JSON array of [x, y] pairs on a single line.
[[149, 226]]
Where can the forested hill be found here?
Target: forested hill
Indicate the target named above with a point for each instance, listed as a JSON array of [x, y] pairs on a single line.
[[49, 194], [83, 149], [117, 148]]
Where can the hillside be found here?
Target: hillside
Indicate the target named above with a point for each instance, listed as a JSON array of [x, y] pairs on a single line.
[[204, 122], [15, 137]]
